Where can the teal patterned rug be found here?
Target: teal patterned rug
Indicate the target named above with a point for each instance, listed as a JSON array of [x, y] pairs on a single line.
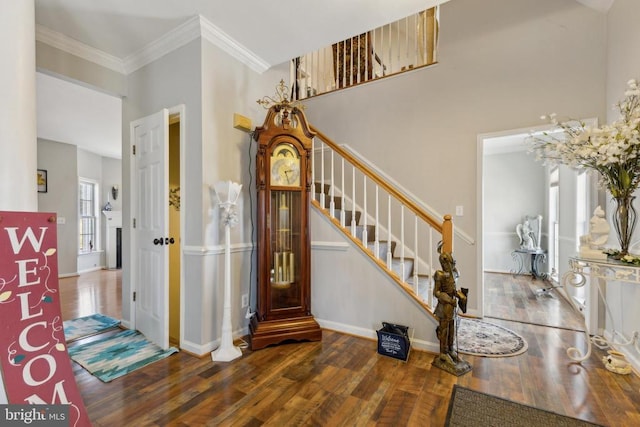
[[87, 326], [117, 355]]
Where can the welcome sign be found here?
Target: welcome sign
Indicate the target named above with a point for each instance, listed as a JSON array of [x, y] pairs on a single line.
[[36, 368]]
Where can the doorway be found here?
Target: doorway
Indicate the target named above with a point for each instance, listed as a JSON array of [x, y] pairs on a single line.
[[174, 230], [513, 187], [157, 175]]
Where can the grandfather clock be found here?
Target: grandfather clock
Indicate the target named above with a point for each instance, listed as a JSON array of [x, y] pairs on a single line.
[[284, 247]]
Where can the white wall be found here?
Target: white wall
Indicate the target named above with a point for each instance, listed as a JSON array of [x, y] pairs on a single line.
[[623, 63], [61, 163], [502, 63], [514, 186]]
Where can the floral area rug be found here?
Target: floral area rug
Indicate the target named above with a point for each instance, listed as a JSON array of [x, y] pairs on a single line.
[[86, 326], [480, 338], [117, 355]]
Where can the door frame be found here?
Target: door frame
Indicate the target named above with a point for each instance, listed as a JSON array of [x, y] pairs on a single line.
[[179, 111]]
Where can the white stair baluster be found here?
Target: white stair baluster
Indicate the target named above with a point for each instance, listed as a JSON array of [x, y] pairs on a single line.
[[342, 192], [376, 245], [322, 196], [415, 255], [432, 269], [402, 268], [389, 255], [313, 166], [365, 237], [332, 203], [353, 202]]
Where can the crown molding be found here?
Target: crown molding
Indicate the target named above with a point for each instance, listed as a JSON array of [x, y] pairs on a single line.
[[221, 39], [198, 26], [79, 49], [170, 41], [195, 27]]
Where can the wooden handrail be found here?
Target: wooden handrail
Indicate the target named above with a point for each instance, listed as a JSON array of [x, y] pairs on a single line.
[[445, 227]]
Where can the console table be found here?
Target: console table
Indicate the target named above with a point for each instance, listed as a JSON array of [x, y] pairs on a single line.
[[603, 271], [521, 258]]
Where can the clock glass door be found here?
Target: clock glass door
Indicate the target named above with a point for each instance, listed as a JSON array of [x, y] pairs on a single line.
[[285, 250]]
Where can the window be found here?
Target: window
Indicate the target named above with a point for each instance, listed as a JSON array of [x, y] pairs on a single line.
[[88, 216]]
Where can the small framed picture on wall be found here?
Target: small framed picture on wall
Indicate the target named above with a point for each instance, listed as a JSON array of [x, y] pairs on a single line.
[[42, 181]]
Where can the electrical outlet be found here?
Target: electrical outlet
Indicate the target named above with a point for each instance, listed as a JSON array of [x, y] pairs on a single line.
[[459, 210], [245, 300]]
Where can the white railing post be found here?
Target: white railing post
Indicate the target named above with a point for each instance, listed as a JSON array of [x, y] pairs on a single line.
[[322, 197], [342, 192], [353, 201], [313, 167], [389, 255], [332, 203], [365, 236], [431, 268], [415, 254], [402, 263], [376, 245]]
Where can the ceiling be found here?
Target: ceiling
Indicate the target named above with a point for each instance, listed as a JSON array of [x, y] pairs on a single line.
[[273, 31]]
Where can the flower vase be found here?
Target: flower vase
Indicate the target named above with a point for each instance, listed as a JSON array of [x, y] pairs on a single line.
[[624, 222]]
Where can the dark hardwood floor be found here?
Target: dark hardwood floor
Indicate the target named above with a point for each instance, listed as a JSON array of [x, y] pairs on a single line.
[[342, 381]]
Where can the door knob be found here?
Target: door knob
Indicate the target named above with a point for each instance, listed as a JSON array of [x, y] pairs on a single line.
[[172, 240], [159, 241], [166, 240]]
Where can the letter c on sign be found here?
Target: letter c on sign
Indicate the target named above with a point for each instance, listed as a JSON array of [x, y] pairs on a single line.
[[24, 343]]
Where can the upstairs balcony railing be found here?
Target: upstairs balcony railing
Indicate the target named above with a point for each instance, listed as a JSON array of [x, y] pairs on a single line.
[[394, 48]]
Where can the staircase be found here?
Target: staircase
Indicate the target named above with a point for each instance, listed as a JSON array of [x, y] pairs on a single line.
[[402, 268], [396, 232]]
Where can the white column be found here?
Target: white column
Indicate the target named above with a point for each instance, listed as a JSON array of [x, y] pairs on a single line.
[[18, 143]]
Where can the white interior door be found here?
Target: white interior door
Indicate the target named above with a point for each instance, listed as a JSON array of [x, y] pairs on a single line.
[[150, 201]]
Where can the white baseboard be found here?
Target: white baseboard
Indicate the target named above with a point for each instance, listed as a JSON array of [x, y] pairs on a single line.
[[202, 349], [372, 335]]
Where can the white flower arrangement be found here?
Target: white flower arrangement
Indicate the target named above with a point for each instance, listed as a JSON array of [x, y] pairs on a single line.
[[612, 150]]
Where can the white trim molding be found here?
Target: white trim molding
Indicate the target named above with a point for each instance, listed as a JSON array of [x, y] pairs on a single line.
[[197, 26], [221, 39], [79, 49]]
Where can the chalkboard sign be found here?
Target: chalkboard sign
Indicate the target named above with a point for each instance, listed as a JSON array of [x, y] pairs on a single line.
[[393, 341]]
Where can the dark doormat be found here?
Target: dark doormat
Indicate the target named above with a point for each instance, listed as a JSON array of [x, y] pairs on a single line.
[[470, 408]]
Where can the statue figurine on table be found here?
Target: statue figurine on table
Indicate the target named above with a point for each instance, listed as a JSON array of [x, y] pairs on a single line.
[[592, 244], [526, 235], [449, 298]]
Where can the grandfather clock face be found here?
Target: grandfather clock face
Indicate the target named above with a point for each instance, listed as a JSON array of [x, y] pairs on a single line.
[[285, 166]]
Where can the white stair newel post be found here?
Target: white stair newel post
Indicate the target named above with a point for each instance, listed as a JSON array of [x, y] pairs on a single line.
[[365, 237], [389, 232]]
